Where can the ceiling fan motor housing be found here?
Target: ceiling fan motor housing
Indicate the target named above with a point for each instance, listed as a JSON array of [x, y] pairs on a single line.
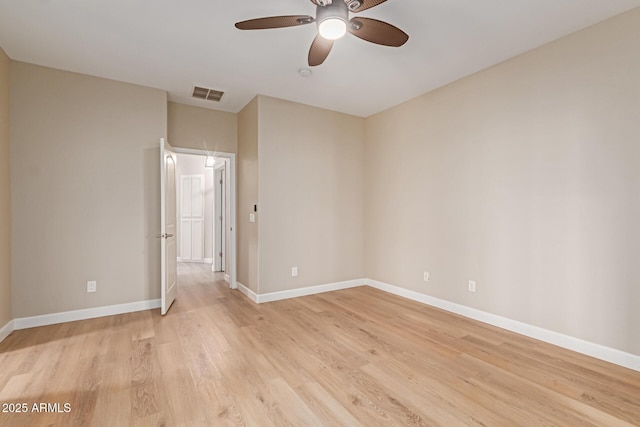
[[335, 10]]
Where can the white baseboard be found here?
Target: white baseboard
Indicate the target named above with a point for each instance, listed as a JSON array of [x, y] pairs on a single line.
[[578, 345], [598, 351], [309, 290], [227, 278], [88, 313], [248, 292], [6, 330], [208, 261]]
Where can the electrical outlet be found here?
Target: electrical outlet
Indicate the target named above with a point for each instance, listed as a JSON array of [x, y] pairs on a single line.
[[92, 286], [472, 286], [294, 271], [426, 276]]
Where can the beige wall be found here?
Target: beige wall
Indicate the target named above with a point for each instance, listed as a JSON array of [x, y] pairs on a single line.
[[311, 175], [247, 196], [189, 164], [5, 194], [202, 128], [85, 190], [524, 177]]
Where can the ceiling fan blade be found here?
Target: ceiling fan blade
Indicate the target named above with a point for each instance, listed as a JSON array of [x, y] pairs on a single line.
[[319, 51], [275, 22], [378, 32]]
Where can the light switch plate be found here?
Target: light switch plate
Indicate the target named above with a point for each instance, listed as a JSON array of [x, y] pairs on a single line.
[[91, 286], [252, 217]]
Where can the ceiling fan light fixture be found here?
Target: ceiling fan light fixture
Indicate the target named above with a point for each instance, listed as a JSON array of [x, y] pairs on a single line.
[[332, 28], [332, 20]]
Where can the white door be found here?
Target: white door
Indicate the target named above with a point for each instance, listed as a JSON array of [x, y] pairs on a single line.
[[168, 261], [192, 218]]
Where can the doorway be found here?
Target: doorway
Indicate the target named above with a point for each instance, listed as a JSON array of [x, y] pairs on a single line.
[[218, 241]]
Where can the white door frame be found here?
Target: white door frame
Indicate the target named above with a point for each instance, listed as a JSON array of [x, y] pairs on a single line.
[[219, 214], [231, 221]]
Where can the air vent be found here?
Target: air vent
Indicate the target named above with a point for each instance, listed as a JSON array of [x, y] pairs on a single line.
[[208, 94]]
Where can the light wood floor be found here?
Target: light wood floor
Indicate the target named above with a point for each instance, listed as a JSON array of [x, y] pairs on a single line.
[[357, 357]]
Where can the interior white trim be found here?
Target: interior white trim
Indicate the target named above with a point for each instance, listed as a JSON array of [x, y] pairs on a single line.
[[6, 330], [578, 345], [227, 278], [87, 313], [248, 292], [309, 290]]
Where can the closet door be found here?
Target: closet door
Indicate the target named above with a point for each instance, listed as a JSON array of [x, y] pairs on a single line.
[[192, 218]]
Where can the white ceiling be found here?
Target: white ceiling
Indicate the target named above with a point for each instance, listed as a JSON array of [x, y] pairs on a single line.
[[176, 44]]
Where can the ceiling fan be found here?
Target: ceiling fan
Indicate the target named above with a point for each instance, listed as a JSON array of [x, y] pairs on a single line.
[[332, 17]]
